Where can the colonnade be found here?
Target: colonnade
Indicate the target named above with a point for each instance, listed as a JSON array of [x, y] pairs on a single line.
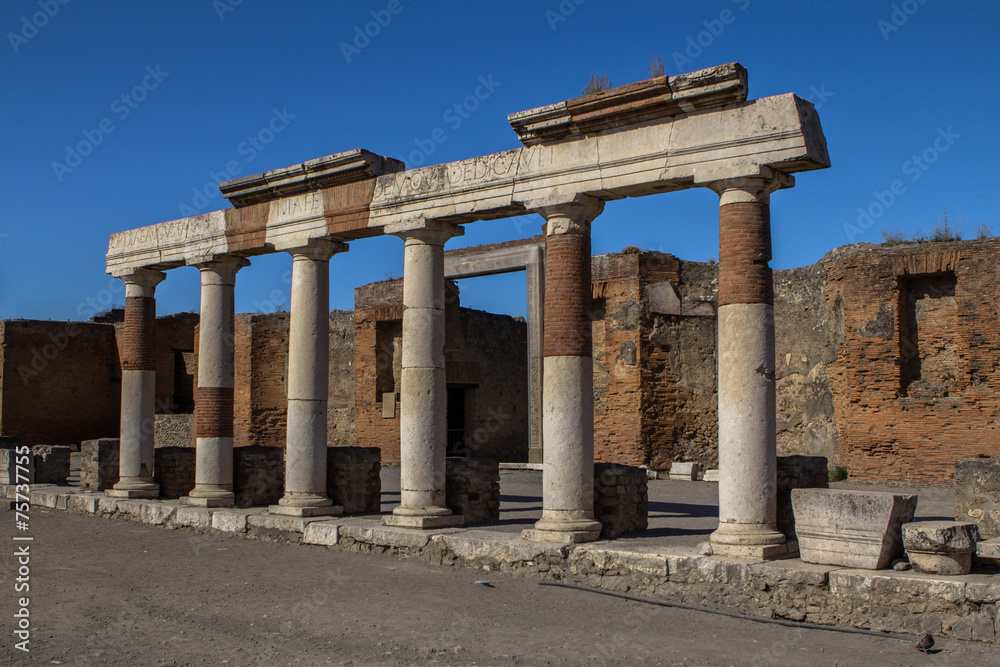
[[747, 453]]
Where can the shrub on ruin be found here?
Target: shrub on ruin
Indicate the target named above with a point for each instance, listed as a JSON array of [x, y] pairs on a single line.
[[598, 84]]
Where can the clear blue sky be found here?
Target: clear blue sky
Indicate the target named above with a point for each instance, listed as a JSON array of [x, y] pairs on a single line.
[[200, 77]]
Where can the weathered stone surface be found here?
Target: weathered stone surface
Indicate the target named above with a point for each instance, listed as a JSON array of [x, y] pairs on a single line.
[[989, 550], [472, 488], [857, 529], [685, 470], [99, 464], [384, 536], [85, 503], [258, 475], [711, 475], [8, 467], [52, 463], [489, 547], [323, 533], [174, 470], [352, 478], [977, 494], [233, 521], [605, 560], [43, 497], [277, 527], [173, 430], [797, 472], [193, 517], [940, 547], [621, 499]]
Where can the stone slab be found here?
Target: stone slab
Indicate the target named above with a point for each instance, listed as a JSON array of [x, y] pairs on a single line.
[[711, 476], [371, 532], [989, 549], [84, 503], [684, 470], [233, 521], [277, 526], [472, 545], [940, 547], [193, 517], [858, 529], [612, 559], [302, 512], [560, 536], [322, 533], [423, 522]]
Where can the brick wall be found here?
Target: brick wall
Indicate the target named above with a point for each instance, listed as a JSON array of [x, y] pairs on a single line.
[[915, 382], [60, 382]]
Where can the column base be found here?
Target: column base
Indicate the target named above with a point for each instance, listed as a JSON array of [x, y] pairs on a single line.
[[423, 522], [134, 487], [561, 536], [210, 501], [758, 541]]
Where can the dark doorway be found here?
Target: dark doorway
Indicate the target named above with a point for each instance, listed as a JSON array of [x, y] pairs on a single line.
[[456, 422]]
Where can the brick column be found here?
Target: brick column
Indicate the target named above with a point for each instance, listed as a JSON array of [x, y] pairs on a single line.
[[214, 400], [568, 394], [747, 447], [138, 387], [423, 397], [308, 383]]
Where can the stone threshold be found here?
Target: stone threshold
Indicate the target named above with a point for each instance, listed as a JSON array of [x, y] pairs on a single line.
[[961, 607]]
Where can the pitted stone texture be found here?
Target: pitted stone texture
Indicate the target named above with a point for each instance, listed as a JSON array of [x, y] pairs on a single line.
[[684, 470], [152, 512], [277, 527], [621, 501], [8, 467], [472, 488], [233, 521], [322, 533], [258, 475], [940, 547], [174, 470], [193, 517], [52, 463], [99, 464], [353, 480], [977, 495], [989, 550], [84, 503], [797, 472], [860, 529], [383, 536]]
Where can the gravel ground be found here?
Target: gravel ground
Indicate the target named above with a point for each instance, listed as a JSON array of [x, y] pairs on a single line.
[[112, 592]]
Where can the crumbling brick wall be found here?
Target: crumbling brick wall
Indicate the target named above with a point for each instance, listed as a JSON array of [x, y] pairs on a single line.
[[915, 382]]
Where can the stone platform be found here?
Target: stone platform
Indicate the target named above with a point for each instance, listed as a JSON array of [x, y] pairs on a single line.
[[962, 607]]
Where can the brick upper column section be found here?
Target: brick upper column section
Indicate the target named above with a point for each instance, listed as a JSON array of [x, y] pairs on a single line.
[[214, 412], [744, 253], [568, 292], [139, 344]]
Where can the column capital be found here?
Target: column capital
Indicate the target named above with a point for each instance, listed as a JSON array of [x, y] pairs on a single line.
[[750, 183], [142, 282], [223, 266], [571, 217], [430, 232], [319, 249]]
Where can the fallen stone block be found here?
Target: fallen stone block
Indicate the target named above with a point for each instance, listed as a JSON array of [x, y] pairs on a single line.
[[711, 475], [52, 463], [940, 547], [684, 470], [989, 551], [857, 529], [977, 494]]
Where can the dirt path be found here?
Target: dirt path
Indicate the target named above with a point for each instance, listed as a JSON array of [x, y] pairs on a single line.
[[110, 592]]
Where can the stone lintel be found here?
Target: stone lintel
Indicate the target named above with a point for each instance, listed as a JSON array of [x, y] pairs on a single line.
[[653, 99], [315, 174]]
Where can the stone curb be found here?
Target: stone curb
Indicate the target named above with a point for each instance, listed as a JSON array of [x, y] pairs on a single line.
[[963, 607]]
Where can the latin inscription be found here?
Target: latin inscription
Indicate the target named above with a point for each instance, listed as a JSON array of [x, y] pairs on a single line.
[[293, 208], [188, 230]]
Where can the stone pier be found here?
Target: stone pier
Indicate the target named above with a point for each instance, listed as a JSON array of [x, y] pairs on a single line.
[[214, 404], [308, 383], [568, 397], [747, 445], [423, 398], [138, 387]]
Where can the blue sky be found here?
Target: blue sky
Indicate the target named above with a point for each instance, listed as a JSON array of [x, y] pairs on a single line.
[[172, 97]]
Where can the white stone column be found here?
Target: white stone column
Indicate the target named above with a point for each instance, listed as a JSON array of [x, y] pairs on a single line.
[[747, 443], [214, 399], [138, 387], [308, 383], [568, 393], [423, 397]]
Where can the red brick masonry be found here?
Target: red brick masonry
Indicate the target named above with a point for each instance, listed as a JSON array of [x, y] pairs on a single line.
[[567, 296], [744, 251]]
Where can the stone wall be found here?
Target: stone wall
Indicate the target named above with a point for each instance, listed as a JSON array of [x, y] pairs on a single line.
[[258, 475], [52, 463], [176, 367], [977, 495], [797, 472], [174, 470], [174, 430], [473, 488], [621, 499], [99, 464], [353, 480]]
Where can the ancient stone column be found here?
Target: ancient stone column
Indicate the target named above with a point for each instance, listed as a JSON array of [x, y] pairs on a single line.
[[568, 394], [308, 383], [423, 397], [747, 446], [138, 387], [214, 400]]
